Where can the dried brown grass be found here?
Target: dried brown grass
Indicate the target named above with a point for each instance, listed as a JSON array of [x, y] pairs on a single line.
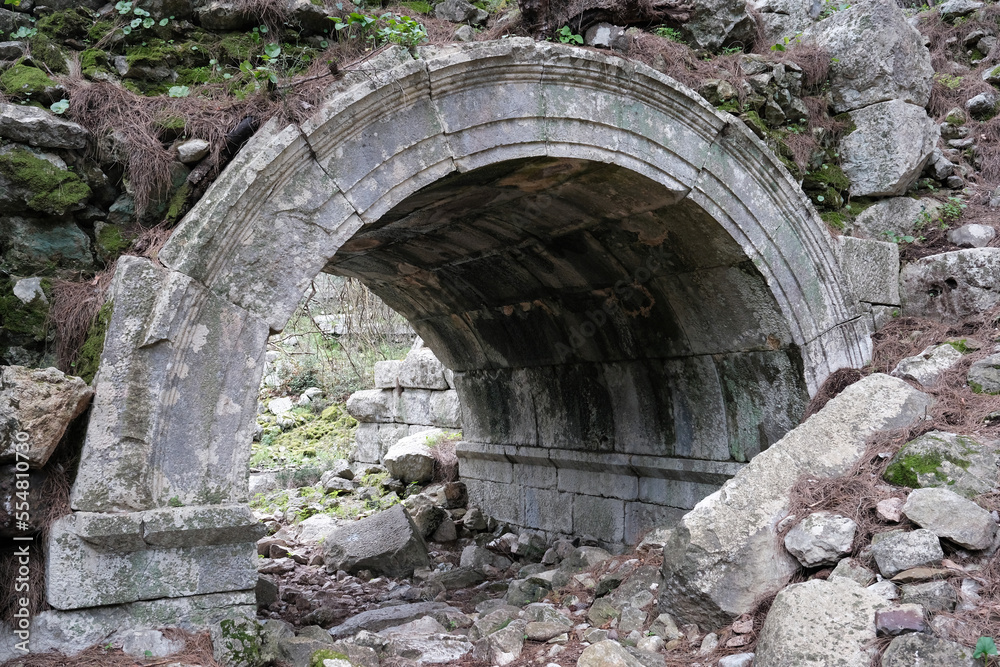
[[197, 651], [74, 307]]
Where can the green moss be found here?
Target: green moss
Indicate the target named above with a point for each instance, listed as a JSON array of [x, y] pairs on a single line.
[[235, 48], [24, 81], [976, 387], [241, 642], [66, 24], [171, 123], [93, 61], [99, 30], [847, 122], [828, 176], [175, 207], [193, 76], [54, 190], [111, 243], [89, 357], [729, 106], [46, 52], [904, 472], [756, 124], [151, 54], [26, 319], [960, 345], [834, 219], [325, 654], [418, 6]]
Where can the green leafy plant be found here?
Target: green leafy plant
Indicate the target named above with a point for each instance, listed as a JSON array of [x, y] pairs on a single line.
[[147, 654], [178, 91], [949, 81], [566, 36], [14, 3], [388, 28], [402, 30], [830, 8], [894, 237], [59, 107], [984, 647], [141, 18], [175, 502], [24, 33], [673, 34], [786, 42]]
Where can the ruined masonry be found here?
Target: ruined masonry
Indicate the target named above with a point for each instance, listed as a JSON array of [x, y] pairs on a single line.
[[634, 297]]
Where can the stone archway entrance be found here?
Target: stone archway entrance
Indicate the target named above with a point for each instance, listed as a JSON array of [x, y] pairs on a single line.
[[633, 294]]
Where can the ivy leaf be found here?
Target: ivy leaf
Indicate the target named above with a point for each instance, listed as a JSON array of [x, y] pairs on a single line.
[[984, 647]]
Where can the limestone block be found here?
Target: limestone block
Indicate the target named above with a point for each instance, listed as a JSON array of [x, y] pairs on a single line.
[[37, 127], [372, 441], [36, 407], [972, 235], [414, 407], [949, 515], [872, 267], [786, 18], [36, 242], [446, 410], [386, 543], [888, 149], [603, 518], [876, 56], [373, 405], [387, 374], [375, 620], [411, 460], [192, 526], [77, 573], [422, 370], [928, 366], [904, 550], [729, 536], [952, 285], [819, 623], [192, 150], [176, 396], [918, 648], [966, 466]]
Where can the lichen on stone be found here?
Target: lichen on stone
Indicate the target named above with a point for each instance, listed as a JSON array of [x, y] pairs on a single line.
[[89, 357], [51, 190]]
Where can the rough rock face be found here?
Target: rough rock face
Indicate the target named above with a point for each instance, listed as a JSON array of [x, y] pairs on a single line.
[[904, 550], [723, 553], [786, 18], [717, 22], [37, 127], [898, 215], [889, 148], [928, 366], [984, 375], [40, 403], [940, 459], [920, 649], [949, 515], [411, 459], [819, 624], [822, 537], [876, 56], [386, 543], [952, 285]]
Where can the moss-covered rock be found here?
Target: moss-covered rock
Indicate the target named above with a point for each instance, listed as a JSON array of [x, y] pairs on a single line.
[[73, 23], [25, 320], [94, 62], [46, 188], [939, 459], [111, 242], [22, 81], [89, 357]]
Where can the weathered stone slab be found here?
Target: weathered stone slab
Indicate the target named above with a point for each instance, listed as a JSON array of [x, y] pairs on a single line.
[[927, 367], [387, 617], [422, 370], [411, 459], [957, 462], [896, 215], [949, 515], [36, 407], [176, 393], [37, 127], [386, 542], [193, 526], [872, 267], [952, 285], [77, 573], [918, 648], [729, 537]]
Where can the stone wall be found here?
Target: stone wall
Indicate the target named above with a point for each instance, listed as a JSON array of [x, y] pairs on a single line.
[[412, 395]]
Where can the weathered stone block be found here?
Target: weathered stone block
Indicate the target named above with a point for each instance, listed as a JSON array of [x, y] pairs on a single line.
[[374, 405], [446, 410], [548, 510], [952, 285], [387, 374], [422, 370], [872, 267], [386, 543], [208, 524], [603, 518]]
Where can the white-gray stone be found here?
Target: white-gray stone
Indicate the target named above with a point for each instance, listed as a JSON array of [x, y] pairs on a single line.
[[192, 150], [137, 642], [876, 56], [387, 374], [460, 11], [37, 127], [737, 660], [982, 105], [888, 149], [422, 370], [984, 375], [953, 9], [29, 289], [951, 285], [386, 543], [316, 528], [821, 538], [607, 653], [872, 267], [724, 554], [949, 515], [280, 406], [898, 215], [715, 22], [411, 458], [928, 366], [921, 650], [446, 410], [373, 405], [381, 618], [905, 550], [786, 18], [819, 624], [606, 36], [967, 467], [973, 235]]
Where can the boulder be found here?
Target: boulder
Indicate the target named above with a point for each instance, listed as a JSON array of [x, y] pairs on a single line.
[[876, 56], [411, 459], [904, 550], [853, 570], [607, 653], [192, 150], [373, 405], [822, 538], [972, 235], [460, 11], [786, 18], [36, 407], [952, 285], [375, 620], [315, 529], [425, 640], [385, 543], [236, 643], [477, 558], [897, 215], [918, 649], [981, 107], [949, 515], [872, 267], [941, 459], [222, 15], [819, 624], [724, 553], [953, 9], [713, 23], [37, 127], [308, 15], [737, 660], [928, 366], [984, 375], [889, 147], [606, 36]]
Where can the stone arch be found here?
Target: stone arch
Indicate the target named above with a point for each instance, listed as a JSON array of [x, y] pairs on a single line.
[[514, 134]]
